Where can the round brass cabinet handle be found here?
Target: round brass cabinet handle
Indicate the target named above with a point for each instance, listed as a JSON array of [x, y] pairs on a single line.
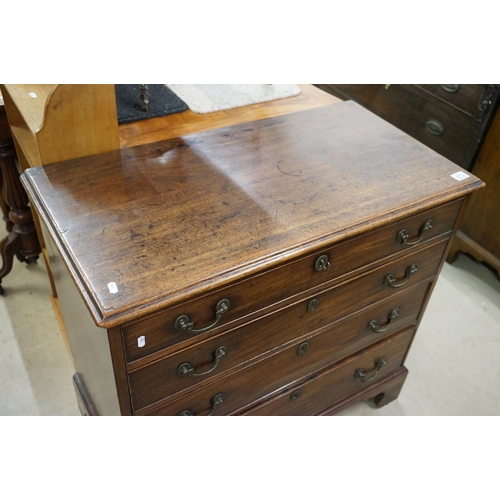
[[184, 323], [434, 126], [216, 400], [361, 373], [185, 369], [322, 263], [403, 236], [451, 87], [374, 326], [390, 280]]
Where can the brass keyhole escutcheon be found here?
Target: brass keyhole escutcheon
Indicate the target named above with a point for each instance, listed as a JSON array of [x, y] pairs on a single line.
[[313, 305], [303, 348], [322, 263]]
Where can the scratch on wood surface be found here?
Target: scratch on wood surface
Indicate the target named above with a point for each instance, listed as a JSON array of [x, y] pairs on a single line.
[[287, 173], [135, 235]]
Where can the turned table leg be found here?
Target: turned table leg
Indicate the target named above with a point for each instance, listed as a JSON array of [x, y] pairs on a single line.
[[5, 209], [22, 240]]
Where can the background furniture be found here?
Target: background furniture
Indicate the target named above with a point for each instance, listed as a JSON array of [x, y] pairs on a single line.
[[462, 123], [479, 230], [53, 123], [206, 274], [452, 119], [21, 240]]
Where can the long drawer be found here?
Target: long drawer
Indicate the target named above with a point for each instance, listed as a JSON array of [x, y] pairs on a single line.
[[262, 379], [352, 375], [240, 346], [467, 98], [160, 332], [160, 379]]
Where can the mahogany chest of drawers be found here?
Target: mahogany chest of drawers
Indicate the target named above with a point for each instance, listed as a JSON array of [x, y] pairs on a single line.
[[279, 267], [452, 119]]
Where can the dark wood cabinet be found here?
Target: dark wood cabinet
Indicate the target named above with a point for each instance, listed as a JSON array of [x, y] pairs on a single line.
[[479, 232], [277, 267], [452, 119]]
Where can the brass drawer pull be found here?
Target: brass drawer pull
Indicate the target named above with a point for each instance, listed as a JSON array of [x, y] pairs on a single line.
[[434, 126], [184, 323], [216, 400], [361, 373], [403, 235], [390, 280], [451, 87], [322, 263], [295, 394], [187, 370], [374, 326]]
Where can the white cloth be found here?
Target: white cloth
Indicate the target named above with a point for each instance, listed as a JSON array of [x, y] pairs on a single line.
[[208, 98]]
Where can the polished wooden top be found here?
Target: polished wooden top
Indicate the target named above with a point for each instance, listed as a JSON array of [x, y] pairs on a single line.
[[169, 220]]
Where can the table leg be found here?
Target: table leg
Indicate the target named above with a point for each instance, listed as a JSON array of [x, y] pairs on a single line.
[[5, 209], [22, 240]]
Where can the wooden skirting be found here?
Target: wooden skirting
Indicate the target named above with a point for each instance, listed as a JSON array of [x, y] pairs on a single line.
[[462, 243]]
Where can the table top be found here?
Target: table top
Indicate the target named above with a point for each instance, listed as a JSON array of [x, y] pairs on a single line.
[[169, 220], [187, 122]]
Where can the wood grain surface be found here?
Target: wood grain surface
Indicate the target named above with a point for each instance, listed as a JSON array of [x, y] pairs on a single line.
[[168, 220], [317, 393], [339, 381], [178, 124], [244, 345]]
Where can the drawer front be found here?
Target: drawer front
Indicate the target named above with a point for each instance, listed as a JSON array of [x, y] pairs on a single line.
[[352, 375], [437, 127], [166, 377], [159, 332], [442, 129], [466, 98]]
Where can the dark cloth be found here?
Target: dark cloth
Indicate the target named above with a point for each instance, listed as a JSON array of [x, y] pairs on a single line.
[[162, 102]]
